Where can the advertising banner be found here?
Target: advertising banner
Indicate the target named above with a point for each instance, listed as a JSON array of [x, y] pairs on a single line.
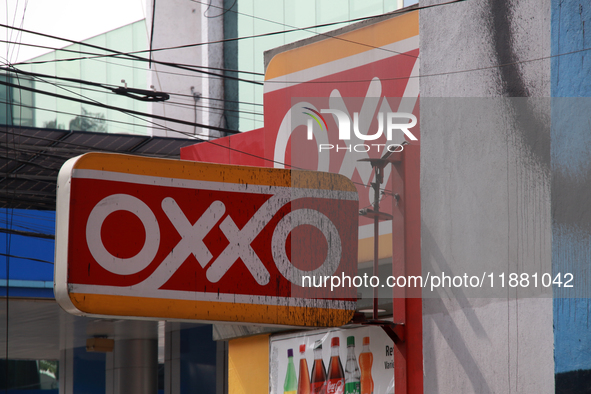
[[334, 102], [338, 361], [168, 239]]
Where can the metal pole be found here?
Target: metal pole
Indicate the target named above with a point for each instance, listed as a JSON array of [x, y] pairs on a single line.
[[376, 233], [135, 366]]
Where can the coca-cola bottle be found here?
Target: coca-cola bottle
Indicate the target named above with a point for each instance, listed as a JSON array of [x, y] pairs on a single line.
[[318, 379], [304, 378], [335, 381]]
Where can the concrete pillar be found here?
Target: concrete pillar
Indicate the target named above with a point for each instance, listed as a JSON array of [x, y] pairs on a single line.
[[172, 359], [135, 366], [66, 371]]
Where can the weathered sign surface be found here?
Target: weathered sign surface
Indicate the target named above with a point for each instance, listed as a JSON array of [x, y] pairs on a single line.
[[167, 239]]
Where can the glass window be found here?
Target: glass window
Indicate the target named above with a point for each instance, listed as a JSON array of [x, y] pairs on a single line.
[[42, 376], [58, 113], [272, 16]]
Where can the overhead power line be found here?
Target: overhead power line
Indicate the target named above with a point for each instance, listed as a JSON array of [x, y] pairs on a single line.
[[233, 113], [75, 114], [26, 258], [306, 29], [173, 130], [95, 102], [128, 111], [112, 121], [98, 56], [118, 54], [131, 55], [111, 89], [75, 80], [27, 234]]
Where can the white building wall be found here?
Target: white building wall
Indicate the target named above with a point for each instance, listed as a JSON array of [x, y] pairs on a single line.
[[180, 22]]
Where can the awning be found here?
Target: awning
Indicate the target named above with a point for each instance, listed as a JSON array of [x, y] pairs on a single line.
[[30, 159]]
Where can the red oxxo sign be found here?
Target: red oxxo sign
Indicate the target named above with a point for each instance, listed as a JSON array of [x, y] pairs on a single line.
[[167, 239]]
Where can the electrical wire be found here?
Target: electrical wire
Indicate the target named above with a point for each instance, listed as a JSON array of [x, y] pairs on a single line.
[[109, 90], [241, 38], [305, 29], [111, 121], [13, 22], [15, 70], [222, 14], [152, 33], [20, 36], [25, 258], [132, 56], [212, 109], [218, 99], [202, 140], [128, 111], [9, 218], [7, 269], [26, 225], [97, 56], [367, 80], [131, 53], [95, 101], [333, 23]]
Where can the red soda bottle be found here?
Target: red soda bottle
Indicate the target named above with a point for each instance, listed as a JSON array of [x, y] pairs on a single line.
[[318, 379], [304, 378], [335, 382]]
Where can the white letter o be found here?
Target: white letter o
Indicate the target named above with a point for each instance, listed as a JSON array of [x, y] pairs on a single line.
[[116, 265], [322, 223]]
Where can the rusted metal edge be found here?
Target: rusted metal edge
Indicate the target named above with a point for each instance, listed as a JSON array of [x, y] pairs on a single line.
[[396, 331]]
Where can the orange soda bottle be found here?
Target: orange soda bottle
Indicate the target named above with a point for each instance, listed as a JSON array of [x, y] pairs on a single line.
[[304, 377], [365, 363]]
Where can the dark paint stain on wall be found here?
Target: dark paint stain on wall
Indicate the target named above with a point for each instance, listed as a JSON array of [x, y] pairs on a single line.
[[534, 132]]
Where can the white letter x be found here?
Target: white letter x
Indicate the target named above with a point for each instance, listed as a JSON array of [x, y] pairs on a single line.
[[240, 240], [191, 241]]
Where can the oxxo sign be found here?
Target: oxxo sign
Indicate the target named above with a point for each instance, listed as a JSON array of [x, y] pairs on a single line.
[[166, 239]]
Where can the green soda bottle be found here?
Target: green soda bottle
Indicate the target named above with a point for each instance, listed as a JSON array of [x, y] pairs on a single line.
[[291, 381], [352, 373]]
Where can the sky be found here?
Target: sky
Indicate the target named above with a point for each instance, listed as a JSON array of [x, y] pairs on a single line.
[[73, 19]]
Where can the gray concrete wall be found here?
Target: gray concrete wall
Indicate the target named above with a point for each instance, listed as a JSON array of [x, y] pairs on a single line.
[[485, 193], [195, 96]]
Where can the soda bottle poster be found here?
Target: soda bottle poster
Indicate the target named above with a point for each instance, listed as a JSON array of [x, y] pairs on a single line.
[[336, 361]]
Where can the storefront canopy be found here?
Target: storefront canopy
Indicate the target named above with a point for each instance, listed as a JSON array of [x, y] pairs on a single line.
[[30, 159]]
